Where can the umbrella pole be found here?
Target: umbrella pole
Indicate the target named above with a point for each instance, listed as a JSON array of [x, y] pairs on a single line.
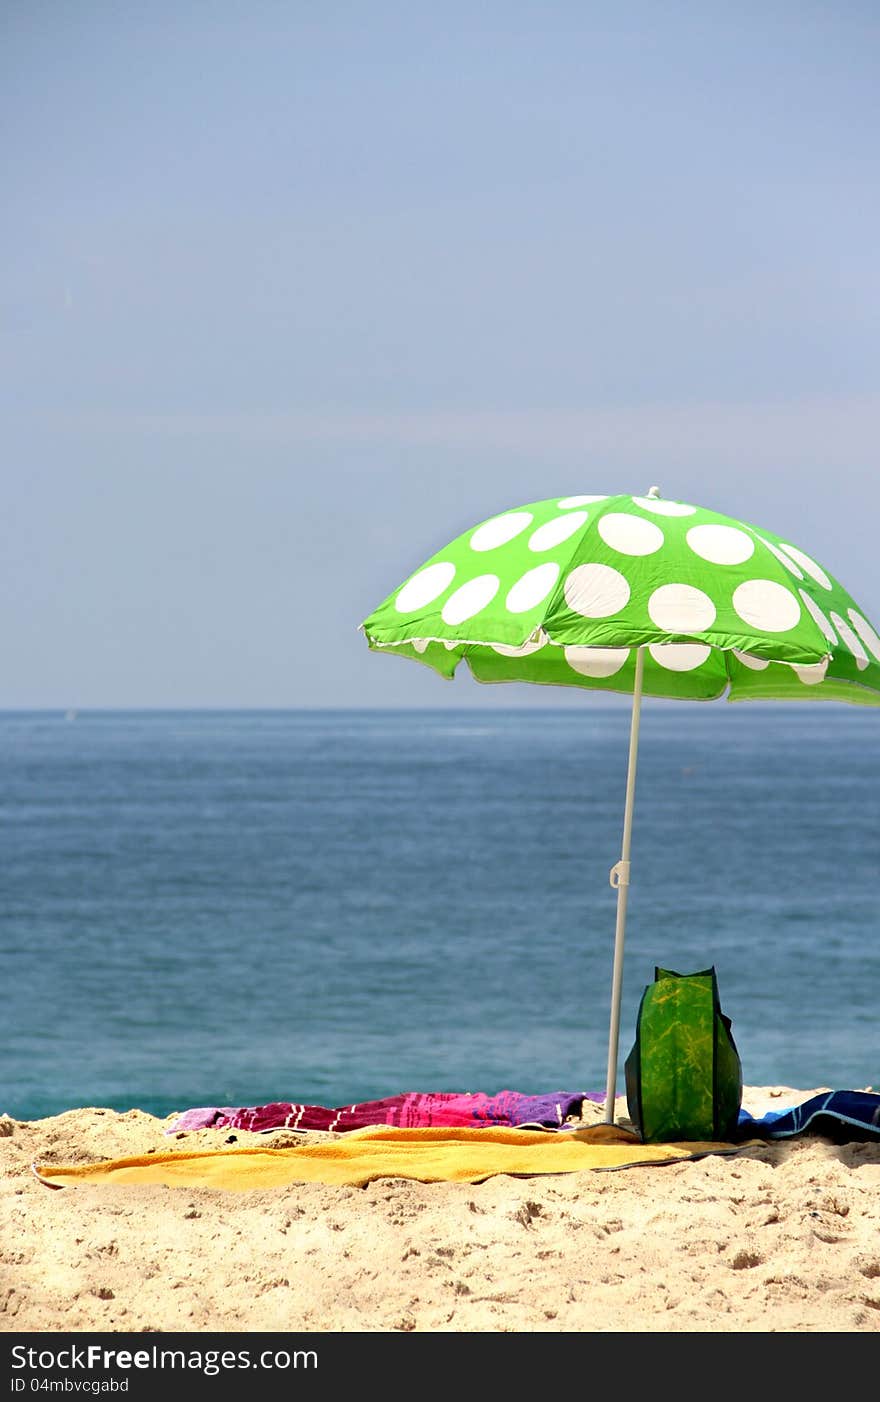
[[620, 881]]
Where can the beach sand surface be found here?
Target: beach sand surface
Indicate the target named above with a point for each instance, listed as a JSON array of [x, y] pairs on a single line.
[[780, 1237]]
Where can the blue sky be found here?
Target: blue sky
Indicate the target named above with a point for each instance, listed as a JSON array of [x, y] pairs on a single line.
[[292, 294]]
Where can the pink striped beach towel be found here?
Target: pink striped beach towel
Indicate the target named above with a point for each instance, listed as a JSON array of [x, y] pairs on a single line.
[[553, 1110]]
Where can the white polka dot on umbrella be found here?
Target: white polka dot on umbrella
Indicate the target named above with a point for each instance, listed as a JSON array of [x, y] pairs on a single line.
[[720, 545], [679, 657], [630, 535], [596, 661], [781, 557], [500, 530], [818, 616], [425, 587], [470, 599], [851, 640], [596, 591], [532, 588], [680, 608], [525, 649], [865, 632], [757, 664], [554, 532], [806, 563], [766, 605], [813, 674], [664, 508]]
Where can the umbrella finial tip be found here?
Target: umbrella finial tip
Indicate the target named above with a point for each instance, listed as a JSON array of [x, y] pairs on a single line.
[[653, 492]]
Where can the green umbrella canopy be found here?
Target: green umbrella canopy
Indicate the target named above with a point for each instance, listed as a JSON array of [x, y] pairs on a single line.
[[564, 592], [638, 595]]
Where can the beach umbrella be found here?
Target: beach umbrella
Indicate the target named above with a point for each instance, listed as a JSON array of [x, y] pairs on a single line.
[[633, 594]]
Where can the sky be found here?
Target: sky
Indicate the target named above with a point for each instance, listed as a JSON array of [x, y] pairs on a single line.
[[292, 294]]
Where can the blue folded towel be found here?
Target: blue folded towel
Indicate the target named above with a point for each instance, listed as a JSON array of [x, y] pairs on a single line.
[[842, 1115]]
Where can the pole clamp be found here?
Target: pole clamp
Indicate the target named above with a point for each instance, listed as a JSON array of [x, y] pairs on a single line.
[[619, 874]]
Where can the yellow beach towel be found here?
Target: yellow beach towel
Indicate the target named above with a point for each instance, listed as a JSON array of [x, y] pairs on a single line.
[[429, 1155]]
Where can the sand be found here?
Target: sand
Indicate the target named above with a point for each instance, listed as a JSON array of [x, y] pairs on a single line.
[[783, 1237]]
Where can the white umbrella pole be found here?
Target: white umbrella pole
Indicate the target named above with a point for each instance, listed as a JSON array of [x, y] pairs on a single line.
[[620, 881]]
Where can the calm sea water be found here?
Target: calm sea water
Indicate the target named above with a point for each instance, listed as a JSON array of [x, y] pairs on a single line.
[[232, 908]]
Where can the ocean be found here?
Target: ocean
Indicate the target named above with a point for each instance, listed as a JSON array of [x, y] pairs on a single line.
[[231, 908]]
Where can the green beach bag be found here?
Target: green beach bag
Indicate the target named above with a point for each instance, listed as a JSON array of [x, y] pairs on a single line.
[[683, 1075]]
